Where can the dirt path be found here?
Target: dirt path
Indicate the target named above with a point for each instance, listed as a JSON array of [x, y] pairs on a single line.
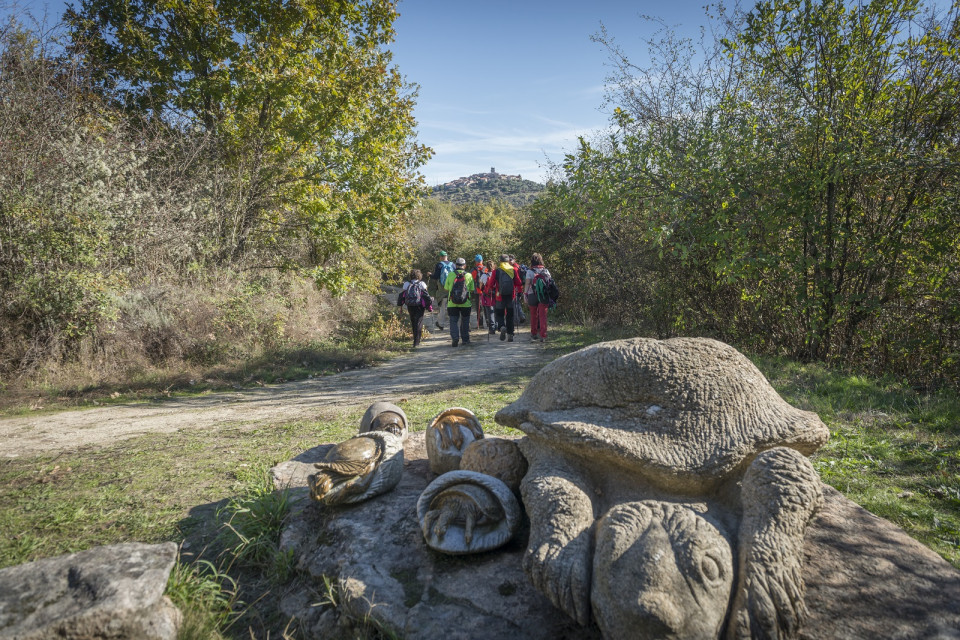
[[433, 365]]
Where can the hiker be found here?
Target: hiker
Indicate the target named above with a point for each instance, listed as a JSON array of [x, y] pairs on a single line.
[[460, 291], [417, 301], [478, 272], [487, 299], [518, 310], [538, 302], [438, 279], [506, 283], [518, 317]]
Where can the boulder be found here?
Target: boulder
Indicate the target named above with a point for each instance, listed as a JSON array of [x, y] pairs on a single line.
[[104, 593]]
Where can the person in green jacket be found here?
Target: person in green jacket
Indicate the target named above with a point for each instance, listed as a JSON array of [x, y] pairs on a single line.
[[460, 290]]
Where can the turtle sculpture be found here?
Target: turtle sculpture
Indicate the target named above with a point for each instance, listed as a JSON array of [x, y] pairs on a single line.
[[467, 512], [448, 434], [358, 469], [668, 490], [384, 416]]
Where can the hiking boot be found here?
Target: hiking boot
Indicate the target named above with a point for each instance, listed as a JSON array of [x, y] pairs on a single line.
[[455, 343], [492, 331], [509, 338], [440, 326], [503, 334]]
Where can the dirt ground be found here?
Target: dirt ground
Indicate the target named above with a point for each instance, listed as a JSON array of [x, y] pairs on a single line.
[[435, 364]]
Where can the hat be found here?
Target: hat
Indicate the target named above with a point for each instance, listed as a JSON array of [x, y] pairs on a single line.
[[442, 252], [461, 262], [478, 258]]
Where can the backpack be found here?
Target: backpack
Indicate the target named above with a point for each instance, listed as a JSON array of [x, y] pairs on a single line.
[[504, 285], [545, 289], [458, 292], [414, 297], [446, 267]]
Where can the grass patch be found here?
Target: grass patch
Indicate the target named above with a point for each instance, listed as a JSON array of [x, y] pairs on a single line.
[[892, 450]]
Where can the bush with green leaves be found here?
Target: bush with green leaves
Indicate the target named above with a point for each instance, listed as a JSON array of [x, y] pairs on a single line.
[[789, 185]]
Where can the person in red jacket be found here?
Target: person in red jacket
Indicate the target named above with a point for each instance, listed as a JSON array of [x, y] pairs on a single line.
[[506, 284]]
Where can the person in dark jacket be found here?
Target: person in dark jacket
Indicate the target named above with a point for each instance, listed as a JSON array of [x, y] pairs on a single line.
[[505, 282], [417, 305]]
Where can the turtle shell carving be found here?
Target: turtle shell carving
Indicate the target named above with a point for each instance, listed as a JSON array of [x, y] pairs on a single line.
[[358, 469], [684, 412], [464, 512], [448, 434], [385, 416], [657, 451]]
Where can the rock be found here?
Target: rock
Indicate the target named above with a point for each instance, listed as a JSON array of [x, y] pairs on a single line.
[[496, 457], [865, 577], [104, 593]]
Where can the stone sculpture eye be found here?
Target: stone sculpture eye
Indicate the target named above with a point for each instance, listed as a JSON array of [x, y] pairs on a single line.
[[711, 569]]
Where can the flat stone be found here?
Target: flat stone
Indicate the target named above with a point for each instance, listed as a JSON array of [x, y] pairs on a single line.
[[104, 593], [865, 577]]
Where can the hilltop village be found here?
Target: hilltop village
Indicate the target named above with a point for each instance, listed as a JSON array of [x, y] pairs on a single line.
[[479, 178], [481, 187]]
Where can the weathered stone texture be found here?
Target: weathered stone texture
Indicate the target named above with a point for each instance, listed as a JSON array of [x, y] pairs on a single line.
[[105, 593], [865, 577]]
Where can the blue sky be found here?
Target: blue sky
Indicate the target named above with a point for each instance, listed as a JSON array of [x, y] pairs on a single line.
[[508, 84], [512, 84]]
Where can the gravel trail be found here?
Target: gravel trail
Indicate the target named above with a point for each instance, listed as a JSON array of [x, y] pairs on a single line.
[[435, 364]]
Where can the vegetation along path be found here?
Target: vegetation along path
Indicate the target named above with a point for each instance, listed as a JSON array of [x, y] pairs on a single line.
[[433, 366]]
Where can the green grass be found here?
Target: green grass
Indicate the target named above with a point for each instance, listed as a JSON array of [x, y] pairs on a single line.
[[892, 450]]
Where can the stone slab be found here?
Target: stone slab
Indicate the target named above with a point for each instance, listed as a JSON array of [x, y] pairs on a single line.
[[105, 593]]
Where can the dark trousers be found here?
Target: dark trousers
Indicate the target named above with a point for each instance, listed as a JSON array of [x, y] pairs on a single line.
[[459, 323], [499, 314], [416, 323]]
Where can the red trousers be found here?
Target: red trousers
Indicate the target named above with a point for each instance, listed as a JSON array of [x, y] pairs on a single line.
[[538, 320]]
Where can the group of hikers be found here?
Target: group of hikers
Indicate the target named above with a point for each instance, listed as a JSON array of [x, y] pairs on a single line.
[[492, 292]]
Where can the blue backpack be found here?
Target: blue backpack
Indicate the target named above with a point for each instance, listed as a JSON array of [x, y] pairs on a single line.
[[446, 267]]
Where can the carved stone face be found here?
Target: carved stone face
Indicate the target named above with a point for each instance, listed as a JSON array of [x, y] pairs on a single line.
[[660, 571]]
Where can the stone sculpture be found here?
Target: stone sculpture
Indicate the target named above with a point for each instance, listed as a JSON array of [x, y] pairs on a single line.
[[358, 469], [448, 435], [384, 416], [467, 512], [668, 491], [496, 457]]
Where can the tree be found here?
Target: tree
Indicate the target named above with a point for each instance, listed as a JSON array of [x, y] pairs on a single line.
[[797, 179], [313, 123]]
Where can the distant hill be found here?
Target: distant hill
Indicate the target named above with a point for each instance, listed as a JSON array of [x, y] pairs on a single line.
[[482, 187]]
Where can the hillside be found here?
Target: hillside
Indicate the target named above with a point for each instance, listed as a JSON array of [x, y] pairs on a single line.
[[482, 187]]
